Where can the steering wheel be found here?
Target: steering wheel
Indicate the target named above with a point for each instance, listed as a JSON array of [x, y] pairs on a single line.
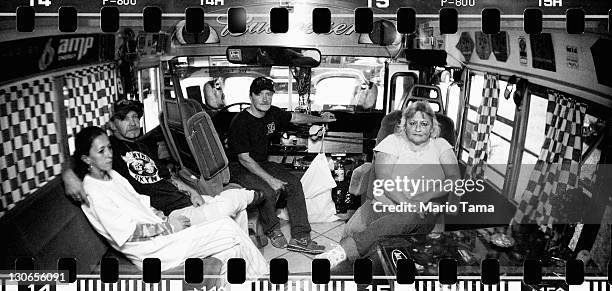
[[226, 108]]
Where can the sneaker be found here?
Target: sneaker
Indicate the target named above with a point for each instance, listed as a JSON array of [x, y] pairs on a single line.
[[335, 256], [277, 238], [258, 240], [305, 245]]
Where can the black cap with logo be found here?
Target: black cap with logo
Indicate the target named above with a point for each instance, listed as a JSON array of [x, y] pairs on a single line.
[[122, 107], [260, 84]]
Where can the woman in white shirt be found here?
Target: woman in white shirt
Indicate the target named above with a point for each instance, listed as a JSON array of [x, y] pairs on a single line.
[[410, 166], [126, 219]]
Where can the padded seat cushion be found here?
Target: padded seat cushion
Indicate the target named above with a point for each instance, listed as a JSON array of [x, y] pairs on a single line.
[[49, 226]]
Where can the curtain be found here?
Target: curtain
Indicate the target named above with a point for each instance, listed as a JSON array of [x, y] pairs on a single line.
[[479, 142], [557, 169]]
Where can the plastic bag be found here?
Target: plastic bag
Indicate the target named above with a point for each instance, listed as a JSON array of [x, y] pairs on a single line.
[[317, 179], [317, 183]]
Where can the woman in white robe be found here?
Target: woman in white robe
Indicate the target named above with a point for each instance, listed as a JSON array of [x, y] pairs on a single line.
[[126, 219]]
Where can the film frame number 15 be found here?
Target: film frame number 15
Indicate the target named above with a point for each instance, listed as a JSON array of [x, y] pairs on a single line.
[[379, 3]]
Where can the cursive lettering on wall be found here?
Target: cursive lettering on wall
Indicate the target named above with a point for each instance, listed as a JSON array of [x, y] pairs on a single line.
[[263, 27]]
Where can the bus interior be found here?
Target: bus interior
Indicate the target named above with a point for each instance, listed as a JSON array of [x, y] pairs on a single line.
[[497, 98]]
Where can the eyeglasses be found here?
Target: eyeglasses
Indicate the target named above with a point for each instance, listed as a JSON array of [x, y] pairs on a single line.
[[422, 123]]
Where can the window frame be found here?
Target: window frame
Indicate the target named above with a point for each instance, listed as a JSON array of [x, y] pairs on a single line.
[[446, 100], [593, 109], [464, 128], [519, 133], [326, 78], [392, 97], [157, 84]]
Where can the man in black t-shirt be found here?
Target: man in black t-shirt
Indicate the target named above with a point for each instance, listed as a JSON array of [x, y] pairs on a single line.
[[135, 161], [250, 133]]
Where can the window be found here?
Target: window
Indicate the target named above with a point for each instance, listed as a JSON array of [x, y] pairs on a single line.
[[189, 86], [451, 95], [337, 81], [148, 85], [592, 129], [454, 100], [194, 72], [402, 84], [341, 80], [334, 91], [281, 77], [498, 151], [237, 90]]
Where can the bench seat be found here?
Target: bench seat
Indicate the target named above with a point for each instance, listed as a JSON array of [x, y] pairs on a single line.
[[47, 226]]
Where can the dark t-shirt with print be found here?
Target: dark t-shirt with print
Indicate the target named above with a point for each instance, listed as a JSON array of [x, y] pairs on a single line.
[[249, 134], [136, 162]]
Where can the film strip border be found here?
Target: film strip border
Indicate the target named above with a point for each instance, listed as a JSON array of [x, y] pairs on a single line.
[[194, 272], [321, 19], [135, 284]]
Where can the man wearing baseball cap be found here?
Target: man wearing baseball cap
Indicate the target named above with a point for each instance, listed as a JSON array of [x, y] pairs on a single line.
[[139, 164], [249, 138]]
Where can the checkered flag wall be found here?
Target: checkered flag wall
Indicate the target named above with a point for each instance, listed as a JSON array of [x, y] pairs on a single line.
[[90, 93], [30, 153], [558, 166], [487, 112]]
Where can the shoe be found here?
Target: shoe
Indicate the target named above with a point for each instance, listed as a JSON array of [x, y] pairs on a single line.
[[335, 256], [277, 238], [258, 198], [305, 245], [258, 240]]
